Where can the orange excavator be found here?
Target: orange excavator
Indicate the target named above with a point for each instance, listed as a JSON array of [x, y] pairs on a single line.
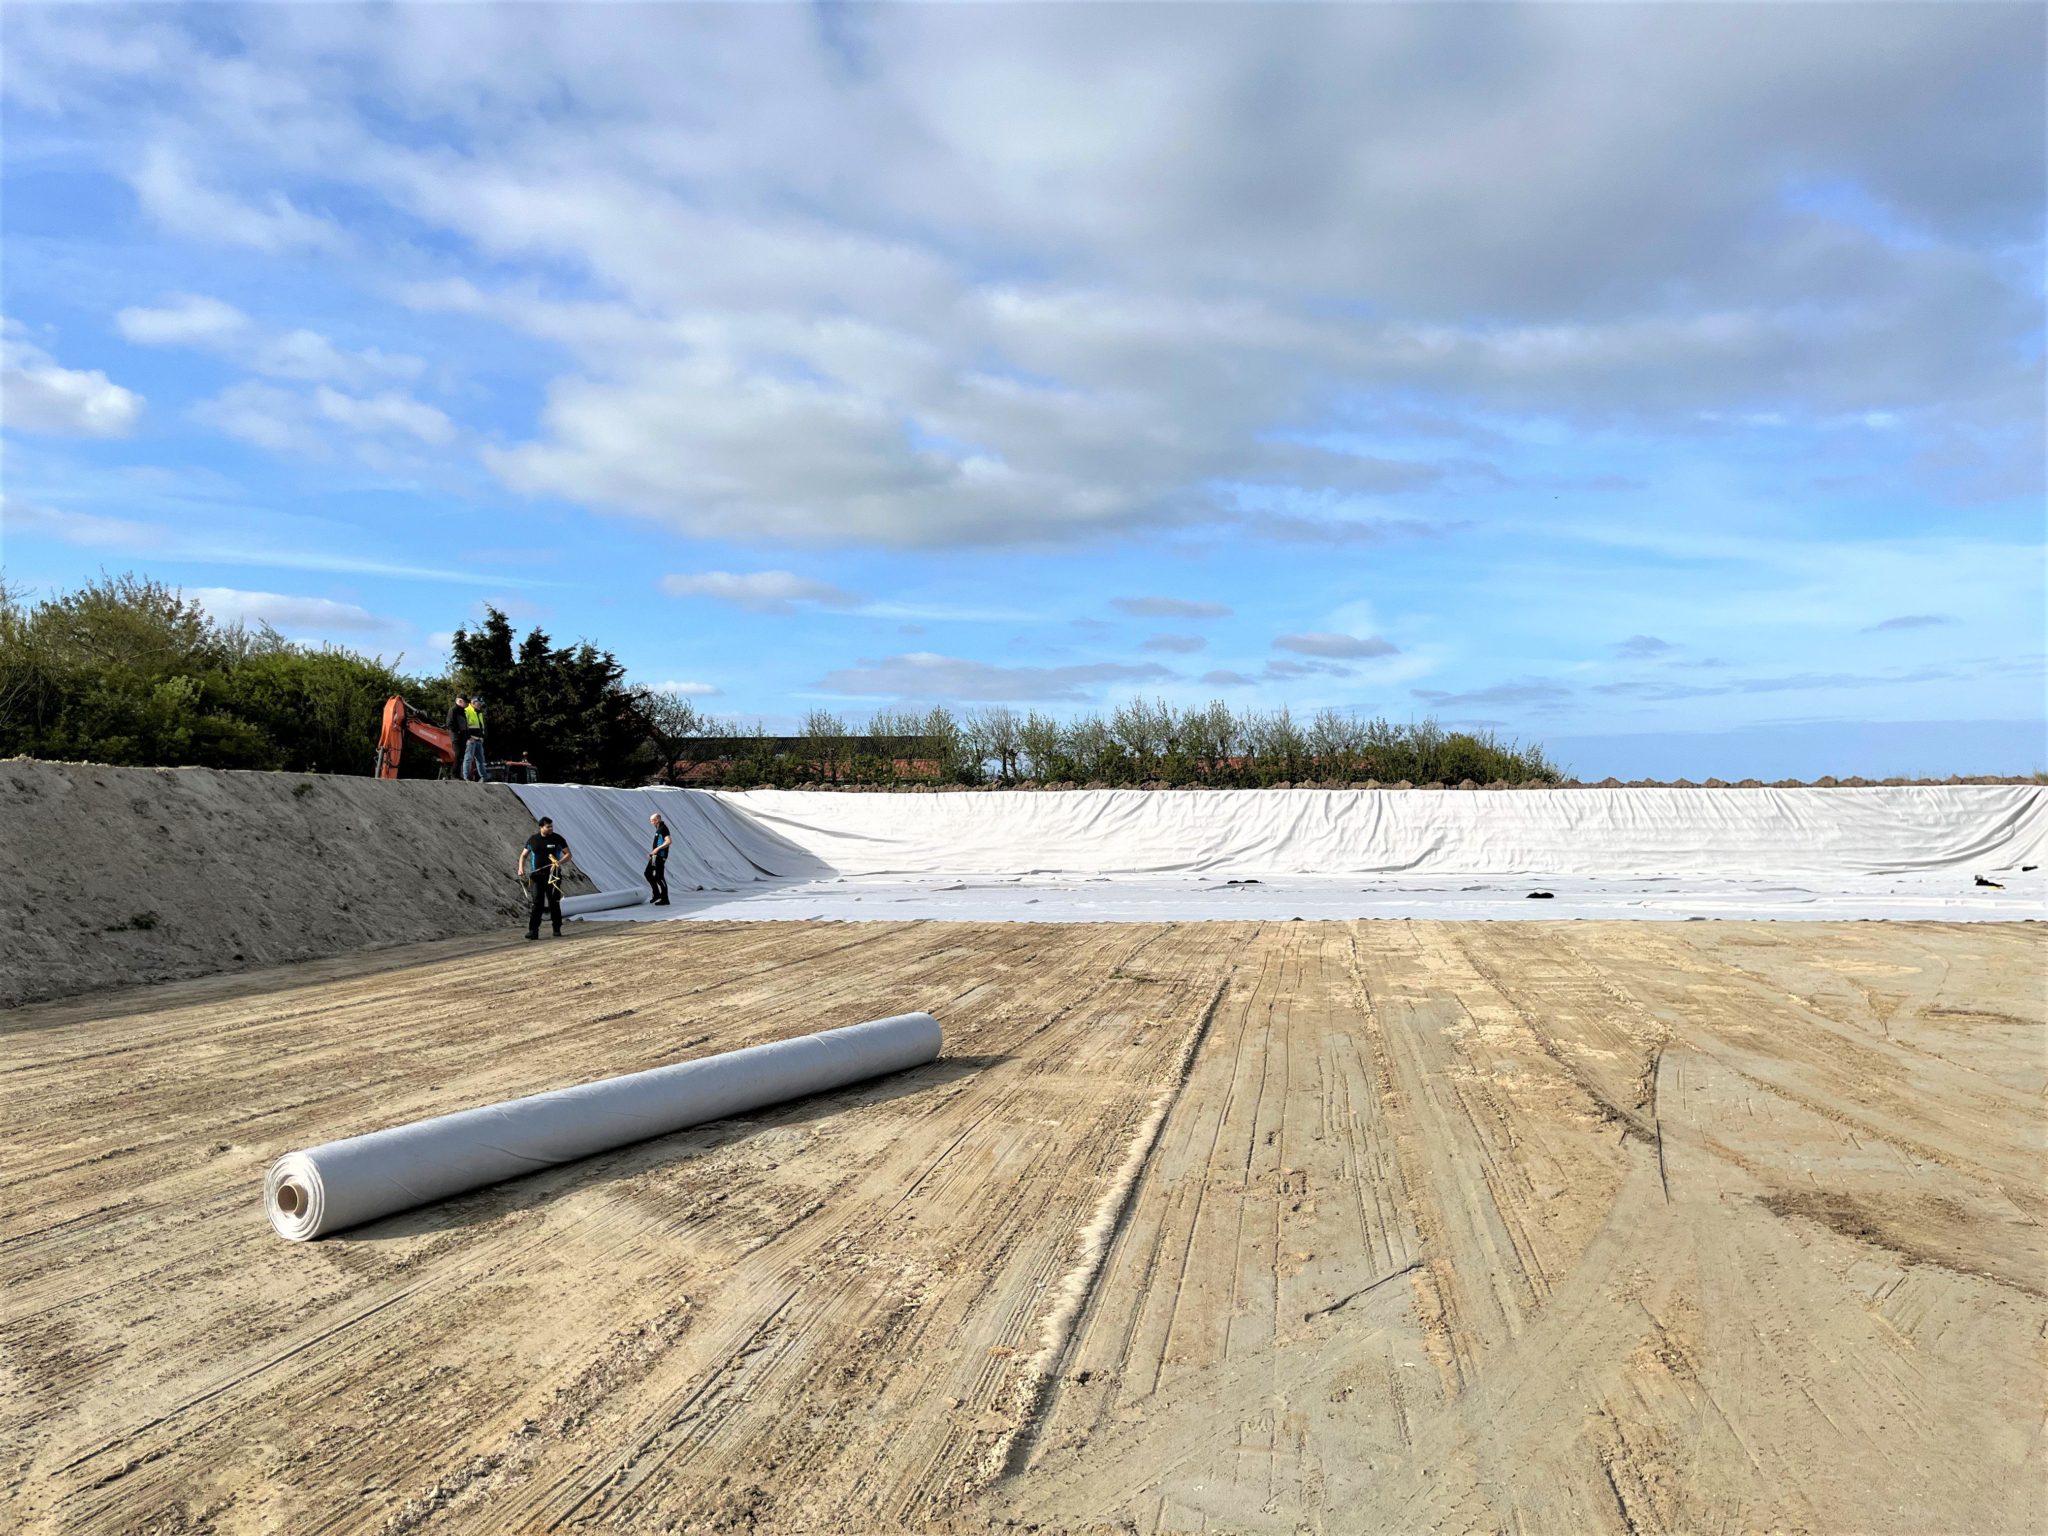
[[401, 721]]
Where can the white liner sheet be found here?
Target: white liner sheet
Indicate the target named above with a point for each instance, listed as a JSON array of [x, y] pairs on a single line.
[[1135, 855], [345, 1183]]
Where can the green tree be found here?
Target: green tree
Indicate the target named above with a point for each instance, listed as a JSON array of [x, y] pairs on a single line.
[[565, 709], [129, 670]]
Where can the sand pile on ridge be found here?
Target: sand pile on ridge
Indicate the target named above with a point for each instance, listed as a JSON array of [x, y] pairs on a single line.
[[127, 875]]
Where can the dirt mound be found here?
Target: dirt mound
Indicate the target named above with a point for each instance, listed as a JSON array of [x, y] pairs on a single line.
[[125, 875]]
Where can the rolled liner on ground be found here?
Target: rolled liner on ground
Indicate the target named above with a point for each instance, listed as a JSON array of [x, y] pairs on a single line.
[[344, 1183], [602, 901]]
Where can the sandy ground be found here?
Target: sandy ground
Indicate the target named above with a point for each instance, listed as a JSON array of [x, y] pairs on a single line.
[[126, 875], [1248, 1227]]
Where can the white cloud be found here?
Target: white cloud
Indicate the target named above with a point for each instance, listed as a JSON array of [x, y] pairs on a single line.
[[389, 412], [37, 394], [301, 355], [198, 519], [188, 320], [172, 193], [703, 442], [281, 611], [785, 592], [288, 421], [85, 529], [1178, 644], [762, 591], [689, 690], [926, 676], [1285, 669], [947, 613], [279, 420], [1641, 647], [1349, 646], [1528, 692], [310, 357], [1169, 608]]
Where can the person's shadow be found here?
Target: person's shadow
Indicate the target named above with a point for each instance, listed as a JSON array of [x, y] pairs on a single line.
[[534, 1189]]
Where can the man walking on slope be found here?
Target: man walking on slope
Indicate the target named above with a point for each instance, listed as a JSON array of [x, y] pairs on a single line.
[[657, 863], [473, 747], [458, 730], [542, 862]]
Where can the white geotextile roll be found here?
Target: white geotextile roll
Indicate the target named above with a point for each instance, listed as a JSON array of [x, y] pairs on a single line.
[[602, 901], [344, 1183]]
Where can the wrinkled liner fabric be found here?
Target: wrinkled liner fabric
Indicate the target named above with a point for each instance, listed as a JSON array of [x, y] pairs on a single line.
[[362, 1178], [1726, 833], [713, 846], [726, 841], [1896, 852]]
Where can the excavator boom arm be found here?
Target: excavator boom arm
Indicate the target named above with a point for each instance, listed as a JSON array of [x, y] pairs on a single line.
[[399, 723]]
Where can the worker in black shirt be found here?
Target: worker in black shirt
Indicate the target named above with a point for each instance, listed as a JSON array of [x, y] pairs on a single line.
[[458, 729], [542, 863], [657, 863]]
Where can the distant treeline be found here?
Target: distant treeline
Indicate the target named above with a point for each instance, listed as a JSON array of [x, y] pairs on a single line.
[[1139, 743], [128, 670]]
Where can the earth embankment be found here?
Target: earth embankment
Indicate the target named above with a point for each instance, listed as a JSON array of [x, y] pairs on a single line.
[[127, 875]]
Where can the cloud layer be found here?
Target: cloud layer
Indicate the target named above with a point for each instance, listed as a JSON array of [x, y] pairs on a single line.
[[933, 277]]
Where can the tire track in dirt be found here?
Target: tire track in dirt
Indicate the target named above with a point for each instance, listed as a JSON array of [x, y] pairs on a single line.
[[1201, 1383]]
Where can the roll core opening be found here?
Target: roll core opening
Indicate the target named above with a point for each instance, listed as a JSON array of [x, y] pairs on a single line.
[[290, 1199]]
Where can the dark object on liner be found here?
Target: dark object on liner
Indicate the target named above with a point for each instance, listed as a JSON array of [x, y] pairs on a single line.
[[2028, 869], [1993, 884], [1541, 896]]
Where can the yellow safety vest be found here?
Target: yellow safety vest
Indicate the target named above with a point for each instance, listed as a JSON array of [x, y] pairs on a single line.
[[474, 716]]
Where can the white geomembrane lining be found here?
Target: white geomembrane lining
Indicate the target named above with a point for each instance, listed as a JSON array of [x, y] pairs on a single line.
[[1189, 855], [345, 1183]]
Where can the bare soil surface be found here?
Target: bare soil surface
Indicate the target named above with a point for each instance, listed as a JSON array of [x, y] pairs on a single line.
[[1346, 1227], [126, 875]]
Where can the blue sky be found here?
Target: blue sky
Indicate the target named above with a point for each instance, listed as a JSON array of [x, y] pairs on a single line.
[[1661, 383]]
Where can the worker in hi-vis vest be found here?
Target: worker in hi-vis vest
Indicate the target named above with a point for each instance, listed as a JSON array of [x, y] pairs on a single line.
[[473, 748]]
